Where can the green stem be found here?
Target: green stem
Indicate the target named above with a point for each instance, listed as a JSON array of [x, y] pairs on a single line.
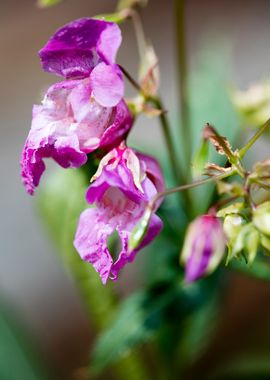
[[175, 163], [183, 82], [166, 130], [152, 203], [139, 32], [254, 138]]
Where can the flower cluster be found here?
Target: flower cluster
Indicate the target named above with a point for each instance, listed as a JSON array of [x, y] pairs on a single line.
[[84, 112]]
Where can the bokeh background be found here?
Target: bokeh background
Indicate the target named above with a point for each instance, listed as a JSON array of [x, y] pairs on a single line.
[[34, 286]]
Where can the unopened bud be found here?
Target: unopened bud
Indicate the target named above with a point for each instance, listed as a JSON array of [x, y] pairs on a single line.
[[139, 231], [203, 248], [261, 217], [232, 226]]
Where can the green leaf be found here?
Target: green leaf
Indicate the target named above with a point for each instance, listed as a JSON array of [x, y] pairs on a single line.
[[200, 159], [210, 102], [61, 201], [48, 3], [137, 320], [199, 329]]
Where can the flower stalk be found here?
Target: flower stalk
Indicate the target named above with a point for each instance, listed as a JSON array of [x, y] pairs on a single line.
[[183, 77], [254, 138]]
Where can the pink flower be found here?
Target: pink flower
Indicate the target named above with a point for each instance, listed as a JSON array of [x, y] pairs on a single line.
[[68, 125], [123, 185], [204, 247], [87, 48]]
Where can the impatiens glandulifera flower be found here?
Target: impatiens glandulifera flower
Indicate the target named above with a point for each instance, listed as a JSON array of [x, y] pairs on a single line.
[[68, 125], [203, 248], [123, 185], [87, 48]]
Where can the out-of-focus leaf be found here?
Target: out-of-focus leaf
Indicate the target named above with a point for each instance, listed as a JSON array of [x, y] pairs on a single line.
[[200, 159], [210, 102], [137, 320], [253, 104], [48, 3], [199, 329], [159, 312], [61, 201], [18, 360]]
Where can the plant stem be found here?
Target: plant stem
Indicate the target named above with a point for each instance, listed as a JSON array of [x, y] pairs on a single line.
[[151, 204], [139, 33], [156, 101], [185, 124], [164, 122], [254, 138]]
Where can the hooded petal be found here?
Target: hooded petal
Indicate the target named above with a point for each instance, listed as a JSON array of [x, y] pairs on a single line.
[[76, 48]]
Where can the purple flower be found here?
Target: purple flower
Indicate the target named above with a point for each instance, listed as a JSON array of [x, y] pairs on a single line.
[[87, 48], [203, 248], [125, 181], [68, 125]]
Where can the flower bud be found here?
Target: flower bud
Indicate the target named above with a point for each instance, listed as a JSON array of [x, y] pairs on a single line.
[[203, 248], [232, 226], [261, 217], [254, 103]]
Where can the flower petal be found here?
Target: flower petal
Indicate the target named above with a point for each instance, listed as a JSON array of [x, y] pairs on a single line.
[[90, 241], [107, 84], [76, 48], [125, 257], [64, 150]]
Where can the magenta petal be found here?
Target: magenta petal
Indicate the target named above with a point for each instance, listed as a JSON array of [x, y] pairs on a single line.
[[109, 43], [119, 128], [65, 151], [76, 48], [107, 84], [90, 241], [153, 170]]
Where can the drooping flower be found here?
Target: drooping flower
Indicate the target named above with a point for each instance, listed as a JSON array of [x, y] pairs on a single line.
[[203, 247], [125, 181], [87, 48], [68, 125]]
